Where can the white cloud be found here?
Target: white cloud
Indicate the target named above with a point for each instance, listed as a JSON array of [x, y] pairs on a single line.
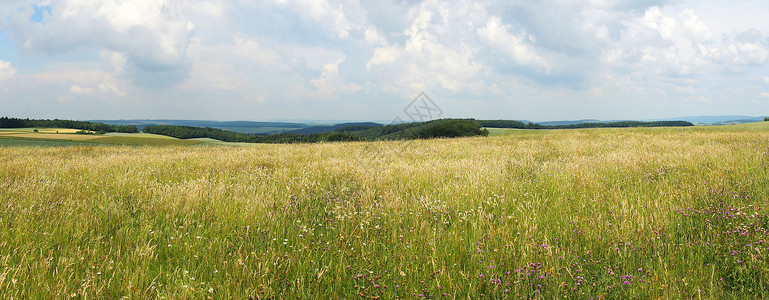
[[151, 35], [329, 83], [681, 44], [7, 71], [339, 16], [516, 47], [435, 54], [284, 56], [78, 90], [383, 56]]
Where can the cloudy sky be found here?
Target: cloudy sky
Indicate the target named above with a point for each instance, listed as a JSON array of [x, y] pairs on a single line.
[[367, 59]]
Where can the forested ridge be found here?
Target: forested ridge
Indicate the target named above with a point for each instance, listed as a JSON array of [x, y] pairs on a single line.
[[444, 128]]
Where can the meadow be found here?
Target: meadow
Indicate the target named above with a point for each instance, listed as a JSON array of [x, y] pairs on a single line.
[[590, 213], [55, 137]]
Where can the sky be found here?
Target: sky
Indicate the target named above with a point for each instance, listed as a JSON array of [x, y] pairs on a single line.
[[368, 59]]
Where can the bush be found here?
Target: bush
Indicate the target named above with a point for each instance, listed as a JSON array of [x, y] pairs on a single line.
[[766, 119]]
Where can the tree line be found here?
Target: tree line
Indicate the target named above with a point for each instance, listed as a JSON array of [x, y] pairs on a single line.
[[6, 122], [444, 128], [190, 132]]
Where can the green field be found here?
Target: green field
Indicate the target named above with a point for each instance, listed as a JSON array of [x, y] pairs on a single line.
[[596, 213], [55, 137], [509, 131]]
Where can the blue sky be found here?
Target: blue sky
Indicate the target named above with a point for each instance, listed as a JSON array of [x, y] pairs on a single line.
[[366, 60]]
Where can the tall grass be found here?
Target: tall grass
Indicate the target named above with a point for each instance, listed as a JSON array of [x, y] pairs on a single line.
[[598, 213]]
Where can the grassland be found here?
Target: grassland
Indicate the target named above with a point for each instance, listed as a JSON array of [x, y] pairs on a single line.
[[596, 213], [66, 137]]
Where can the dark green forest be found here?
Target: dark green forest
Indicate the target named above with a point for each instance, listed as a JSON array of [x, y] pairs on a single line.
[[444, 128]]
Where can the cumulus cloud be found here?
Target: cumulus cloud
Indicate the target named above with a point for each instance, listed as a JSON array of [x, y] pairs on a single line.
[[434, 51], [7, 71], [271, 54], [682, 44], [338, 17], [152, 35], [330, 84], [516, 47]]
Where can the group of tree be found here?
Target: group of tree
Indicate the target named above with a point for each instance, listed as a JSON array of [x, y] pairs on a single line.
[[190, 132], [6, 122], [521, 125], [444, 128]]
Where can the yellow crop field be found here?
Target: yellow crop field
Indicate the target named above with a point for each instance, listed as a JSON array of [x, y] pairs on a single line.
[[596, 213]]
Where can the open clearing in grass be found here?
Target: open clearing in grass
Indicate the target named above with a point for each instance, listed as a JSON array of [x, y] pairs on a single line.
[[597, 213]]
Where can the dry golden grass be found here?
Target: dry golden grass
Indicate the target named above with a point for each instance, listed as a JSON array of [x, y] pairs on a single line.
[[531, 214]]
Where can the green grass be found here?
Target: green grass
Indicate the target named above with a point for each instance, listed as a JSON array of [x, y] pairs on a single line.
[[143, 140], [7, 142], [599, 213], [509, 131], [70, 139]]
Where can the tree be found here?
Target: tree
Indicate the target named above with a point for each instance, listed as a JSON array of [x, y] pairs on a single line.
[[766, 119], [127, 129]]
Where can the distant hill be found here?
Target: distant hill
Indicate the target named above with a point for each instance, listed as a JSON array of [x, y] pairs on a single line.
[[558, 123], [698, 120], [578, 124], [344, 127], [717, 120]]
